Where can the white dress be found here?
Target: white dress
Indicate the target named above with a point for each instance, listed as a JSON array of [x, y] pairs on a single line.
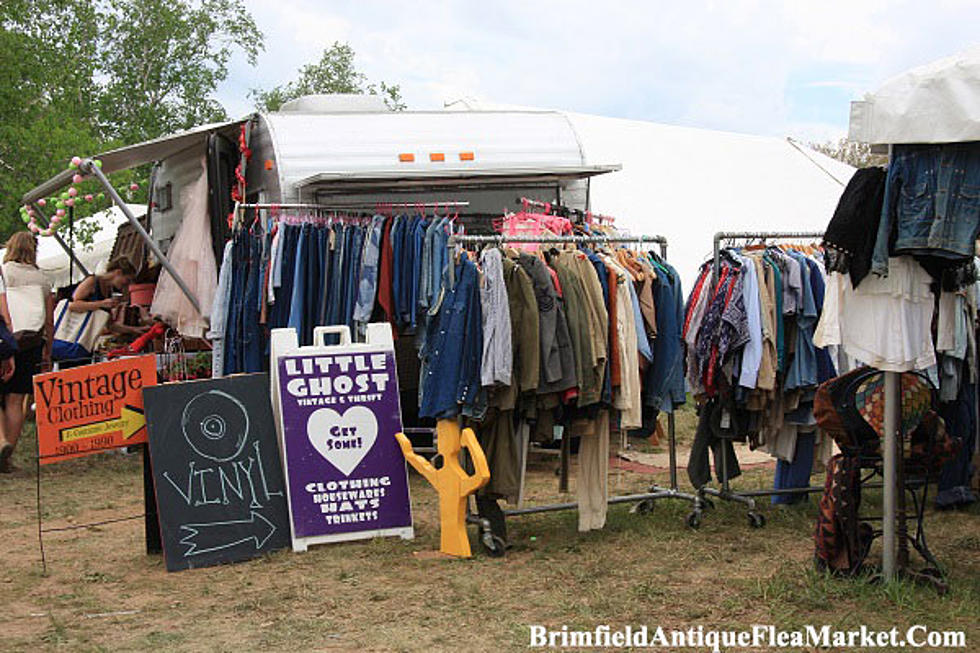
[[885, 322], [192, 256]]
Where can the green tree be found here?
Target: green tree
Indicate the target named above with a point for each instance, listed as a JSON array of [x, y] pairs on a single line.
[[83, 77], [162, 61], [858, 155], [334, 73]]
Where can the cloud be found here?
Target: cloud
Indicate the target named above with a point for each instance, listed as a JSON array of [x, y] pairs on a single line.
[[757, 66]]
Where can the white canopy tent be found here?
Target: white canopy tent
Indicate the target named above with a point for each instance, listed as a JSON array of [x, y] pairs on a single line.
[[56, 264], [687, 184]]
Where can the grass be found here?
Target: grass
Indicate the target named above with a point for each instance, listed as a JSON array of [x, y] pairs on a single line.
[[382, 595]]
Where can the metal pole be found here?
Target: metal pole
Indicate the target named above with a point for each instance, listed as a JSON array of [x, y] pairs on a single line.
[[89, 167], [890, 464], [672, 448]]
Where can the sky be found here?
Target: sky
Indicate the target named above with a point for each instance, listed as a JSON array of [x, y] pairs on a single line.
[[785, 68]]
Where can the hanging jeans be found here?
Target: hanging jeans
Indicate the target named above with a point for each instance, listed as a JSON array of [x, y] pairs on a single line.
[[355, 242], [314, 283], [300, 280], [284, 294], [592, 480], [797, 473], [335, 299], [252, 340], [323, 245], [709, 436], [233, 327], [368, 273], [954, 480]]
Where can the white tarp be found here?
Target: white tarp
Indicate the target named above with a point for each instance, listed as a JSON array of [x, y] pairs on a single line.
[[935, 103], [687, 184], [55, 263]]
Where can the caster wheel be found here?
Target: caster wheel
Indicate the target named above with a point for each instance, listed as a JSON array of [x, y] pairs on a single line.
[[756, 520], [694, 520], [493, 546], [643, 508]]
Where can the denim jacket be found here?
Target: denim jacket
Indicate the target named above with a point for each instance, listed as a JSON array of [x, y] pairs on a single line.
[[932, 202], [453, 347]]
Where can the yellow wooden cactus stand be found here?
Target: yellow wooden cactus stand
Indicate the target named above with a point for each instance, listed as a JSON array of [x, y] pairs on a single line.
[[451, 481]]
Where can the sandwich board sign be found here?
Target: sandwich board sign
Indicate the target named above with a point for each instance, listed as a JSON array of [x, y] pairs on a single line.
[[92, 408], [216, 471], [337, 409]]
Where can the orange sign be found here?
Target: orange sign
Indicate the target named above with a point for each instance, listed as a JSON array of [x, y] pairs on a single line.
[[85, 410]]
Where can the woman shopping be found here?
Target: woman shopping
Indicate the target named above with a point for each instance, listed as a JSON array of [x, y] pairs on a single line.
[[30, 306], [79, 322]]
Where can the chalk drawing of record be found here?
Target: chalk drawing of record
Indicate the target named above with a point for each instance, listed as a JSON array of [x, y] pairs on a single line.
[[215, 424]]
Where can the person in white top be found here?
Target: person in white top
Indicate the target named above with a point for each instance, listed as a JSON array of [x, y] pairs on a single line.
[[30, 307]]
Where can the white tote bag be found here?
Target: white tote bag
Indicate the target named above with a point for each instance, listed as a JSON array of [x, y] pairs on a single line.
[[80, 329], [26, 305]]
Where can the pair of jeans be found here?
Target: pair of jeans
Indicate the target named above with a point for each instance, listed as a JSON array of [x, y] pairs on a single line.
[[300, 280], [253, 345], [335, 297], [797, 473], [280, 314], [314, 284], [367, 278], [711, 436], [352, 273], [323, 285]]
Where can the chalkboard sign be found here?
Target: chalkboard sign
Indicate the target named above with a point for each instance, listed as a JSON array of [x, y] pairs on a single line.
[[216, 467]]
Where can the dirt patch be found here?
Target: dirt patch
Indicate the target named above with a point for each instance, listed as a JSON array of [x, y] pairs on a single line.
[[102, 592]]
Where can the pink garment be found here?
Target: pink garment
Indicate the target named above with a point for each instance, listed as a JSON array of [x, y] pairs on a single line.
[[534, 224], [192, 256]]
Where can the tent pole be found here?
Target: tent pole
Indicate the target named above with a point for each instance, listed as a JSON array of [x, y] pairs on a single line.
[[68, 250], [89, 167], [893, 406]]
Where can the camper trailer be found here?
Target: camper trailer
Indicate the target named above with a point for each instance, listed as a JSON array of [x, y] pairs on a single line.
[[351, 150]]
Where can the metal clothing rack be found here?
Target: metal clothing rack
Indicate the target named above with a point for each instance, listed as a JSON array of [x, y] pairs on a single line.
[[561, 210], [725, 493], [644, 501], [359, 206]]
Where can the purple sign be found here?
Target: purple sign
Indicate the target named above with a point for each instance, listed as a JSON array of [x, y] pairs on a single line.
[[345, 472]]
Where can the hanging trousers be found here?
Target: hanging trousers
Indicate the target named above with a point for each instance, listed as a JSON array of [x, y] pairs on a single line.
[[592, 481]]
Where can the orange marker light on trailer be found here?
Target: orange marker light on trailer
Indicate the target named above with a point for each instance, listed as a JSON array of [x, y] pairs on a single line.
[[406, 157], [466, 156], [437, 156]]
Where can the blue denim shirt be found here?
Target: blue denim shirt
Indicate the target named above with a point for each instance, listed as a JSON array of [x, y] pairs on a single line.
[[664, 387], [802, 372], [932, 202], [452, 350]]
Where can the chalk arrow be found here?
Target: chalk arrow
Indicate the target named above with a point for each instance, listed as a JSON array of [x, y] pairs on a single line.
[[226, 533], [129, 422]]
